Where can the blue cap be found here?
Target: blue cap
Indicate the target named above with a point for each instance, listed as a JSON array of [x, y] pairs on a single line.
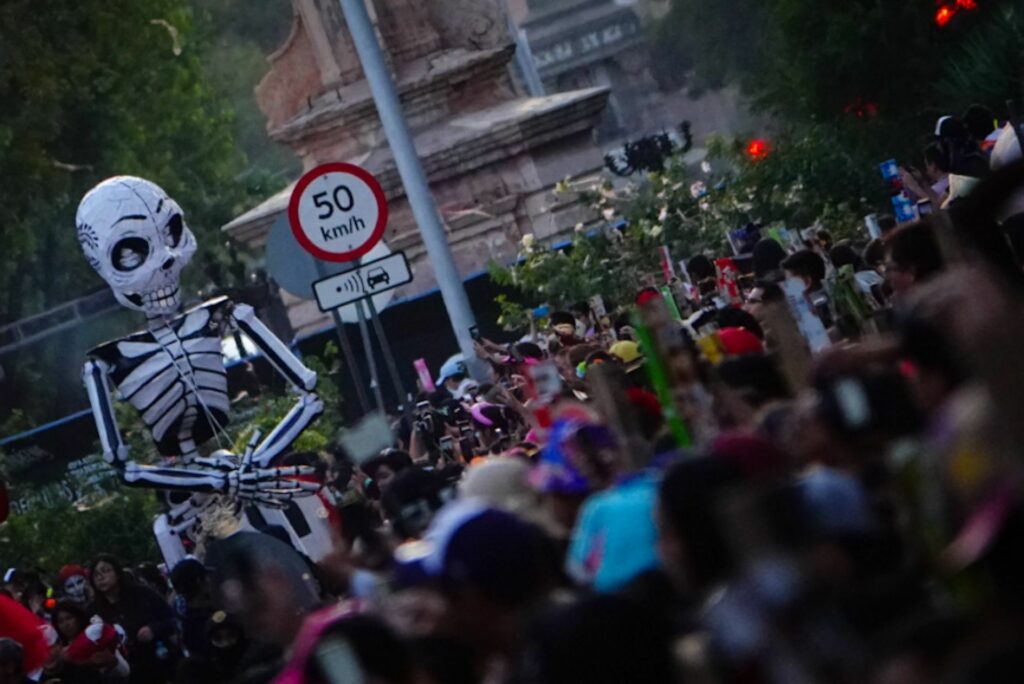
[[470, 544], [455, 365]]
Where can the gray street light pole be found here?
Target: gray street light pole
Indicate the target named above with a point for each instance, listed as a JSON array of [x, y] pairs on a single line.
[[413, 179]]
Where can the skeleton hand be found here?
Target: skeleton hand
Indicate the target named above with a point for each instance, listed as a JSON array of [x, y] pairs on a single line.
[[270, 486]]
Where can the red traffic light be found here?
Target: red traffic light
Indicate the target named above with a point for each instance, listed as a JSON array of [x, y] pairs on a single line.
[[757, 149], [948, 10]]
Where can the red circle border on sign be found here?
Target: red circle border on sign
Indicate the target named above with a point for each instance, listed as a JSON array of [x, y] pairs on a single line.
[[363, 175]]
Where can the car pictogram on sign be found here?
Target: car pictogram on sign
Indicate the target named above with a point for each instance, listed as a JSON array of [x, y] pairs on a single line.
[[376, 276]]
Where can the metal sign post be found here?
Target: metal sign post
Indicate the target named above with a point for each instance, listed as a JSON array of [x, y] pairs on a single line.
[[346, 350], [421, 201], [359, 286], [295, 270], [338, 213], [389, 358], [371, 361]]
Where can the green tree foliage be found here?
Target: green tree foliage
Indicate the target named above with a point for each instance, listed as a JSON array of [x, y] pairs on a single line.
[[807, 178], [269, 410], [987, 66], [55, 535], [882, 71], [93, 89], [240, 34]]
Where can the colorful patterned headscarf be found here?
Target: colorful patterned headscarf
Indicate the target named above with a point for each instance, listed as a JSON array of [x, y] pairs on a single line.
[[576, 459]]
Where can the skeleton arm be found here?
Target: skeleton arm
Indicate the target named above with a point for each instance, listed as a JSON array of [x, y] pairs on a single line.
[[302, 379], [94, 375], [245, 482]]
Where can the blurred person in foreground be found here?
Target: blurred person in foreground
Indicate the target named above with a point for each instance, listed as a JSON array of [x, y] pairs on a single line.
[[12, 659], [614, 537], [913, 256], [493, 571]]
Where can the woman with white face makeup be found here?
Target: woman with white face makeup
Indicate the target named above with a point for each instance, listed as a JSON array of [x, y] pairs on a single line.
[[73, 581]]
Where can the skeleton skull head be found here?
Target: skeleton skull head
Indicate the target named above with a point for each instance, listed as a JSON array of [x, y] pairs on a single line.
[[135, 237], [75, 588]]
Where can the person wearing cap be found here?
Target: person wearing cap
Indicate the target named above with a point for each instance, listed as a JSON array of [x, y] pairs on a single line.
[[454, 377], [492, 568], [962, 155], [628, 352], [576, 462], [74, 583]]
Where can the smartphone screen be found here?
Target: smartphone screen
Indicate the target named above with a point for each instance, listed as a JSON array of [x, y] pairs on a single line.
[[447, 446], [546, 380]]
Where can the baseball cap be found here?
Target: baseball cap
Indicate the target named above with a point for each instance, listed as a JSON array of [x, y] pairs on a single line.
[[69, 571], [627, 351], [950, 127], [470, 544], [740, 341], [455, 365]]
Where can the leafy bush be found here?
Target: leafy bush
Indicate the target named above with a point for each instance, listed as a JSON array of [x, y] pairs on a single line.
[[807, 178], [52, 536]]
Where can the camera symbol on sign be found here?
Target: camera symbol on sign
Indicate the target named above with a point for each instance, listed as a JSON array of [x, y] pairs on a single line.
[[352, 284], [376, 276]]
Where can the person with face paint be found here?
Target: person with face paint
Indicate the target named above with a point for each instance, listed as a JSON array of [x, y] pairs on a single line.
[[73, 582]]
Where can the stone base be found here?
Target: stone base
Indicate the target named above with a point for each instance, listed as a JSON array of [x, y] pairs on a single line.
[[492, 173]]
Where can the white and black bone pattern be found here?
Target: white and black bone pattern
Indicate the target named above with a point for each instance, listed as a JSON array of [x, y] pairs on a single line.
[[174, 377]]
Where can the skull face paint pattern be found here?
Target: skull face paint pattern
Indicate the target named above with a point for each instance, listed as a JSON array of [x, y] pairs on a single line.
[[135, 237], [74, 588]]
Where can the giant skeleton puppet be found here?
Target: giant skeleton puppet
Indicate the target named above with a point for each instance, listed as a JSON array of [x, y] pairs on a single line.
[[173, 373]]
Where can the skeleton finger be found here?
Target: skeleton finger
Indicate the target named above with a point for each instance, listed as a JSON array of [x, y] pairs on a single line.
[[291, 471], [222, 463], [250, 449]]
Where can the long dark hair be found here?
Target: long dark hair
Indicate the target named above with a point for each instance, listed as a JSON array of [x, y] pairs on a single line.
[[71, 608], [124, 580]]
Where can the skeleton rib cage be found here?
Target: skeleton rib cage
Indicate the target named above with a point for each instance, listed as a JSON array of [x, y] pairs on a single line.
[[173, 375]]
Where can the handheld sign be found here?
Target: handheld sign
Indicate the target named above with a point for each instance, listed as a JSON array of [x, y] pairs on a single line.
[[338, 212]]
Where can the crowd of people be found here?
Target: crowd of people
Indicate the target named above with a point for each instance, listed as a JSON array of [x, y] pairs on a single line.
[[672, 490]]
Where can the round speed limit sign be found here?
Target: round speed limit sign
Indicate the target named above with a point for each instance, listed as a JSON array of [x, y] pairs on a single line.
[[338, 212]]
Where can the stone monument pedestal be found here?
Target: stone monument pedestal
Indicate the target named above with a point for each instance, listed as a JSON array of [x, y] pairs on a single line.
[[491, 157]]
